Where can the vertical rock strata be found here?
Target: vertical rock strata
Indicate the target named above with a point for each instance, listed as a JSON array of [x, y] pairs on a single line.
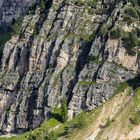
[[12, 9], [62, 50]]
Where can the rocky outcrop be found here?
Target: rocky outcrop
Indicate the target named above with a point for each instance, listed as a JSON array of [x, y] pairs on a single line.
[[119, 55], [12, 9], [63, 50]]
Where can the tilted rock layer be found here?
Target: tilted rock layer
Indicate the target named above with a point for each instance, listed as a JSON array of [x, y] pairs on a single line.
[[12, 9], [64, 49]]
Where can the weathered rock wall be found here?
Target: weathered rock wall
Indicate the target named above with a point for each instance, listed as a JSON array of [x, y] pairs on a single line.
[[12, 9], [62, 50]]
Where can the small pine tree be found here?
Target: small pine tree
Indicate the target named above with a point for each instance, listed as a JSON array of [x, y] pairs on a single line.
[[64, 110]]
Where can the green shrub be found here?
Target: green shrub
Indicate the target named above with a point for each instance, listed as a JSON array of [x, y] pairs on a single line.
[[108, 122], [131, 12], [128, 19], [90, 3], [31, 137], [56, 114], [103, 30], [86, 83], [50, 136], [16, 25], [82, 120], [135, 119], [32, 8], [14, 29], [130, 41], [4, 37], [94, 59], [64, 110], [122, 86], [115, 33]]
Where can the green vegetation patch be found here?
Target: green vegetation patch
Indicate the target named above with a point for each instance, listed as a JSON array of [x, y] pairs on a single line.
[[115, 33], [129, 11], [86, 83], [121, 87], [49, 131], [14, 29], [108, 122], [135, 117], [94, 59], [90, 3]]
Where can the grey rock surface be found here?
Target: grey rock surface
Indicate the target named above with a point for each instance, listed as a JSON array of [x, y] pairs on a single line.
[[12, 9], [60, 51]]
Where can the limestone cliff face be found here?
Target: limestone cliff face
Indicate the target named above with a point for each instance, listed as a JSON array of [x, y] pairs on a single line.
[[12, 9], [64, 49]]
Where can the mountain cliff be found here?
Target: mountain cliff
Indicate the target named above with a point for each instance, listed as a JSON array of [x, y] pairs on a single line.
[[12, 9], [81, 50]]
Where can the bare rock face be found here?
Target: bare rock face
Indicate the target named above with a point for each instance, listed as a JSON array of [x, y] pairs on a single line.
[[64, 49], [12, 9], [119, 55]]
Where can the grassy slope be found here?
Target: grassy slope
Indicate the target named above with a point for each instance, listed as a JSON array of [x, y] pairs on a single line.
[[125, 125]]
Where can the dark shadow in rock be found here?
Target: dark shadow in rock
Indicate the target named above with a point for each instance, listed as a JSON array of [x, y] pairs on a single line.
[[56, 116], [135, 82]]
